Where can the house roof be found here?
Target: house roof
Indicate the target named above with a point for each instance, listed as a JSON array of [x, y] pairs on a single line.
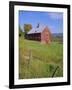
[[37, 30]]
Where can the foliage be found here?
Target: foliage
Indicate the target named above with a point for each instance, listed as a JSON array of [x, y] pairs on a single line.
[[27, 27], [21, 33]]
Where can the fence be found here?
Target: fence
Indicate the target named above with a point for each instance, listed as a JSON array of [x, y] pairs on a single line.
[[29, 57]]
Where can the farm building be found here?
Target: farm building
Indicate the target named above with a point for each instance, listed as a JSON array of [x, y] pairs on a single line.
[[40, 33]]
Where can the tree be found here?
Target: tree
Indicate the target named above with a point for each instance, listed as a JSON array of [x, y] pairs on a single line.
[[20, 31], [27, 28]]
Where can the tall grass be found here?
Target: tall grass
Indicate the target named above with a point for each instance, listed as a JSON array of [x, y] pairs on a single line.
[[45, 59]]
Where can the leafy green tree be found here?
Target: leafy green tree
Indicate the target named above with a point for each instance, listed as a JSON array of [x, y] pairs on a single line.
[[20, 31], [27, 28]]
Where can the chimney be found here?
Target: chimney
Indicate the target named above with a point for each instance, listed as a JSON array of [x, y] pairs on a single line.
[[38, 25]]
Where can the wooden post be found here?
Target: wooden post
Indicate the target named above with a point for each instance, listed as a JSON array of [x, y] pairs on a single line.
[[55, 71], [30, 58], [28, 62]]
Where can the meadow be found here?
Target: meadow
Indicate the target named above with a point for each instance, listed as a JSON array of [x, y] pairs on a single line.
[[38, 60]]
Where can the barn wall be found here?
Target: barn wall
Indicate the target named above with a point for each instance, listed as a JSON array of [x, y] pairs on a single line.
[[46, 36], [35, 36]]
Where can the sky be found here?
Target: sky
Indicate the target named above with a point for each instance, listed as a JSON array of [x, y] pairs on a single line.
[[53, 20]]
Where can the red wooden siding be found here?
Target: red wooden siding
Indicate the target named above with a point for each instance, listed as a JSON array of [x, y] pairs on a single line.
[[46, 36]]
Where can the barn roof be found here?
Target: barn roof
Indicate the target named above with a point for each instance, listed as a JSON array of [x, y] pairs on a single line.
[[37, 30]]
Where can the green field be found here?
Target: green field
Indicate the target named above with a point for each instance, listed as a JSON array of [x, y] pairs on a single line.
[[38, 60]]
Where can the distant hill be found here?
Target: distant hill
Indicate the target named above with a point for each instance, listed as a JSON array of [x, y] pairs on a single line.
[[57, 34], [57, 37]]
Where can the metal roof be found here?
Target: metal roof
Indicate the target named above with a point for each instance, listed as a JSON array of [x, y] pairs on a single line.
[[36, 30]]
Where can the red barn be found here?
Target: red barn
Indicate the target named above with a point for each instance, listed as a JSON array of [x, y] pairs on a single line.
[[40, 33]]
